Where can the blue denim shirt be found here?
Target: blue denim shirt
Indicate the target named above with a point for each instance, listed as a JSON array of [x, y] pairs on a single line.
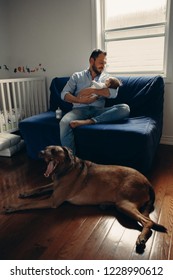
[[83, 79]]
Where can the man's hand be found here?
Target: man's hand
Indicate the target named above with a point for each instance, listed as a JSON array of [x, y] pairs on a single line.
[[86, 99], [87, 96], [86, 92], [94, 91]]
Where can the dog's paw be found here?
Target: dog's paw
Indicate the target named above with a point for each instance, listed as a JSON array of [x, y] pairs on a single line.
[[140, 247], [141, 242]]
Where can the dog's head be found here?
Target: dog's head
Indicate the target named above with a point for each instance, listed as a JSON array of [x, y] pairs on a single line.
[[56, 157]]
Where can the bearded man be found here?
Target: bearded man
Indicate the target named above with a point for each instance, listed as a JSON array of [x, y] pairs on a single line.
[[89, 102]]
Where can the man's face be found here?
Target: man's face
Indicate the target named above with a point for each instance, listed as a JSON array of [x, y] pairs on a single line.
[[98, 65]]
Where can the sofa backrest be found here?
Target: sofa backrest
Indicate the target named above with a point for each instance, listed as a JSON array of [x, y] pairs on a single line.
[[56, 87], [144, 95]]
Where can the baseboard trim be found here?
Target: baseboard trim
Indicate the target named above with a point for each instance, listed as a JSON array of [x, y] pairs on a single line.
[[167, 140]]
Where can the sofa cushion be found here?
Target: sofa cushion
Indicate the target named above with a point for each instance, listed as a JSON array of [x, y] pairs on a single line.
[[134, 139], [40, 131]]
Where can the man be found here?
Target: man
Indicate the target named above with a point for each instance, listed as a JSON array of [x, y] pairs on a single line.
[[88, 102]]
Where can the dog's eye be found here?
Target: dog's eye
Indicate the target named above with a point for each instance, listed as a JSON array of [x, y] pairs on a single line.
[[52, 151]]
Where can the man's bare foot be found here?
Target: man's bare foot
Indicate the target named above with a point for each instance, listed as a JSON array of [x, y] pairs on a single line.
[[76, 123]]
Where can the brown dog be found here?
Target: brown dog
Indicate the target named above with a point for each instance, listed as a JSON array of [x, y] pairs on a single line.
[[85, 183]]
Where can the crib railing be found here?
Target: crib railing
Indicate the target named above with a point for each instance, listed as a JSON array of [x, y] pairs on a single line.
[[21, 98]]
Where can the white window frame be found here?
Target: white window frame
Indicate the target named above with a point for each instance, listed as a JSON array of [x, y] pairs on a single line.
[[97, 9]]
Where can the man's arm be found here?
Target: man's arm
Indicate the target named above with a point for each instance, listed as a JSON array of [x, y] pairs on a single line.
[[67, 93], [105, 92], [90, 91], [86, 99]]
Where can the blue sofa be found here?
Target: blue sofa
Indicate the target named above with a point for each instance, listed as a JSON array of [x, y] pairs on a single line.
[[132, 142]]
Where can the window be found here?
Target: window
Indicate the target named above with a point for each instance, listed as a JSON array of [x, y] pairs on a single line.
[[135, 35]]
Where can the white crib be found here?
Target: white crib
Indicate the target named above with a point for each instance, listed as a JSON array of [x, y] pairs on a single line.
[[21, 98]]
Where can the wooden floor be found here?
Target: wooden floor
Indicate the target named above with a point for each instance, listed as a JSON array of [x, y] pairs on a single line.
[[73, 232]]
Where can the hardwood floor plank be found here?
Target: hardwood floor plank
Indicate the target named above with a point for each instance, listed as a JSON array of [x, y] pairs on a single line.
[[78, 238], [13, 235], [162, 245], [81, 222], [110, 243], [96, 237]]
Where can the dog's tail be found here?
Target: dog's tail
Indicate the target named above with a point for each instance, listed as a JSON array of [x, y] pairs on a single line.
[[159, 227]]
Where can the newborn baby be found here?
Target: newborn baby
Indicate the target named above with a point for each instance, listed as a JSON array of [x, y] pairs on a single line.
[[109, 83]]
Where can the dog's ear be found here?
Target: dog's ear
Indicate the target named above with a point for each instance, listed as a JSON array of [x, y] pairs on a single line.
[[68, 152]]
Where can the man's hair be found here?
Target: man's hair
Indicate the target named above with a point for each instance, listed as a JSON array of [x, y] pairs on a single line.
[[96, 53]]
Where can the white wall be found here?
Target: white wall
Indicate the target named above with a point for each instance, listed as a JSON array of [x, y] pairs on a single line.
[[57, 34], [167, 136], [4, 46]]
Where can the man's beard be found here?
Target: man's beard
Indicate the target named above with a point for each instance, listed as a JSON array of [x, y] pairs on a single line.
[[97, 72]]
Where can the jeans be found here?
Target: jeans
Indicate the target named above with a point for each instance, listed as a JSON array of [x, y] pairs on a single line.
[[98, 115]]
